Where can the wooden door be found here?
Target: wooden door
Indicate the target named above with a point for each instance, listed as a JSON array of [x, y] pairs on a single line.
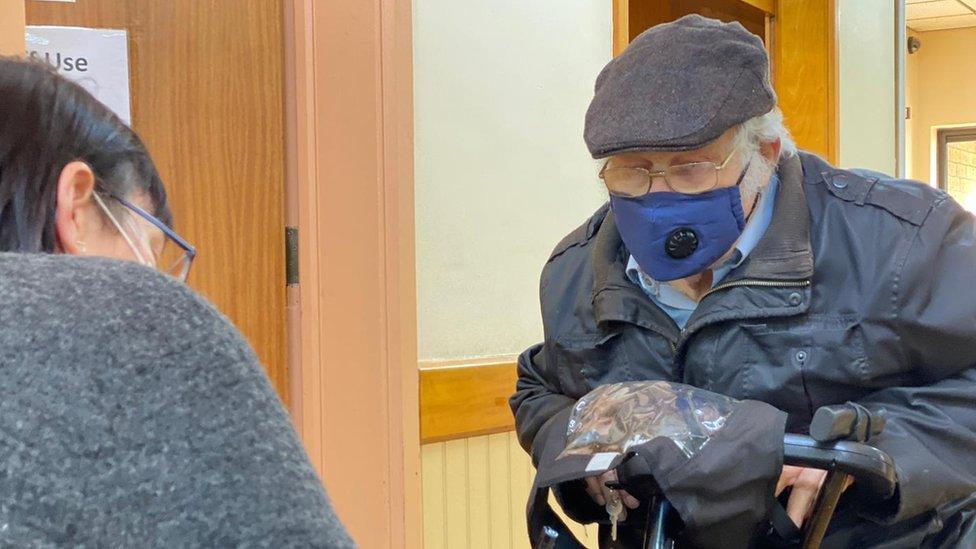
[[644, 14], [800, 36], [206, 84]]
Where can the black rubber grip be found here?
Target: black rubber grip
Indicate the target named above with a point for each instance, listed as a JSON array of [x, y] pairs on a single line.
[[846, 422]]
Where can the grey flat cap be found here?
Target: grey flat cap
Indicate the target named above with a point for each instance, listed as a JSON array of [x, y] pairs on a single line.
[[677, 87]]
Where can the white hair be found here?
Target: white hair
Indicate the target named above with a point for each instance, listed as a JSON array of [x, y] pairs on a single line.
[[767, 128], [749, 137]]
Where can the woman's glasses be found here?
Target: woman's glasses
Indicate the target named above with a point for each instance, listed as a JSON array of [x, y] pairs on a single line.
[[176, 256]]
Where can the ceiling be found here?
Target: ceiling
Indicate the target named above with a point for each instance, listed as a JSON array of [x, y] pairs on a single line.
[[929, 15]]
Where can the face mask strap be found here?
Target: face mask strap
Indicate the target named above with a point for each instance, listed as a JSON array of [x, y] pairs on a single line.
[[122, 231], [742, 175], [759, 193]]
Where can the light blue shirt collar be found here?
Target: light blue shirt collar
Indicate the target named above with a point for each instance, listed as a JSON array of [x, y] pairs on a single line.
[[671, 299]]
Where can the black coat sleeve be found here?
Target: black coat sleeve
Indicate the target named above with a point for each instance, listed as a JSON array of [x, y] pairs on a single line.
[[539, 408], [931, 430], [537, 400]]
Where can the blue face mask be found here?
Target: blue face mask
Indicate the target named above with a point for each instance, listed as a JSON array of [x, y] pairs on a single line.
[[674, 235]]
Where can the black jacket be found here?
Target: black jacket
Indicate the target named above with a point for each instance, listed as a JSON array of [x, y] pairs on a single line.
[[863, 288]]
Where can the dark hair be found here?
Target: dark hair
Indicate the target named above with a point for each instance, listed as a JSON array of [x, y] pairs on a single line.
[[46, 122]]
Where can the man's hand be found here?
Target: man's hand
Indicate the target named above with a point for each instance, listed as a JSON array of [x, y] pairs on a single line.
[[806, 485], [596, 487]]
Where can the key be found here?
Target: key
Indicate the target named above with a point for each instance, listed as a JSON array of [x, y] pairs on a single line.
[[615, 508]]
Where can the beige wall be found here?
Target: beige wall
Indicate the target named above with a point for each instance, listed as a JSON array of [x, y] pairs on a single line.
[[941, 93], [11, 27], [502, 174], [866, 69], [475, 491]]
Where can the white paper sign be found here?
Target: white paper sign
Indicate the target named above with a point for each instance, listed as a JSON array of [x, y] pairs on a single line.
[[97, 59]]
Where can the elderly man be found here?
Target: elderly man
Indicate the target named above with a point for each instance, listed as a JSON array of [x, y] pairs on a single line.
[[728, 260]]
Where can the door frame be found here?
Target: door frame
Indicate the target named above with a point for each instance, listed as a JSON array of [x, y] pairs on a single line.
[[12, 27], [349, 188]]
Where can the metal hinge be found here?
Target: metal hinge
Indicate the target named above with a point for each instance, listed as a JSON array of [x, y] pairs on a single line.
[[291, 256], [908, 113]]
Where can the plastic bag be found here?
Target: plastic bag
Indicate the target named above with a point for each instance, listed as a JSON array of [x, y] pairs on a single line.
[[613, 418]]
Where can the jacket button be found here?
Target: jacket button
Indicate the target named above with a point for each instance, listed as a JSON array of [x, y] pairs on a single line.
[[801, 356], [839, 181], [795, 299]]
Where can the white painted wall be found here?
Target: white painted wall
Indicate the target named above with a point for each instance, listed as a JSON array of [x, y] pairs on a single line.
[[866, 68], [502, 174]]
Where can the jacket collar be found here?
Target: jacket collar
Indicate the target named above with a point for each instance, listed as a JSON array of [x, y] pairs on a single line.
[[783, 254], [615, 297]]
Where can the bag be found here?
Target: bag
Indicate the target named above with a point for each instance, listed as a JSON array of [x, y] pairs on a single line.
[[716, 459]]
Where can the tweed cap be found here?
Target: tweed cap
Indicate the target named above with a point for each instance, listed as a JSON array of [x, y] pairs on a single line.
[[678, 87]]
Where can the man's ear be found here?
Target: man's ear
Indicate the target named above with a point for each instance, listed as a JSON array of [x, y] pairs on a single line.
[[770, 151], [73, 216]]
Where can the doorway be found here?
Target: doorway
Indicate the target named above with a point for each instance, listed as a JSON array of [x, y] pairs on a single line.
[[941, 113], [801, 41]]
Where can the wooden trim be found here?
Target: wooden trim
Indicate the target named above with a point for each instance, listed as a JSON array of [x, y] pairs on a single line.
[[12, 21], [833, 85], [465, 401], [768, 6], [351, 138], [621, 26], [300, 167], [293, 316], [399, 335]]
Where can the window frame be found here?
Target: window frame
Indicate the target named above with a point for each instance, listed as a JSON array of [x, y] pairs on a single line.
[[945, 136]]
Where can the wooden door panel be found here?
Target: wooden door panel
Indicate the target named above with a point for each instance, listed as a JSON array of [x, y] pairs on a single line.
[[206, 83], [800, 35], [805, 73], [644, 14]]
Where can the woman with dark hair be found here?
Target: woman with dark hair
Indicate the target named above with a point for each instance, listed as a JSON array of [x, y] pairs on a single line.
[[132, 413], [75, 179]]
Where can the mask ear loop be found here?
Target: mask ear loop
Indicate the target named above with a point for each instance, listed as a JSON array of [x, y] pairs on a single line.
[[755, 201], [118, 226]]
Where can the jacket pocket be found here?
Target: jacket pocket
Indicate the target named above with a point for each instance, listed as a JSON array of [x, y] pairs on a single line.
[[796, 365], [586, 361]]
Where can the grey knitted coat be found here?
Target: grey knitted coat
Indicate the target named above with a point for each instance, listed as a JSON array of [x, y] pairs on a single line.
[[133, 414]]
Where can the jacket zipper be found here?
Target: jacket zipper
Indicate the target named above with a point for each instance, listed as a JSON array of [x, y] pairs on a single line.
[[759, 283], [734, 284], [746, 282]]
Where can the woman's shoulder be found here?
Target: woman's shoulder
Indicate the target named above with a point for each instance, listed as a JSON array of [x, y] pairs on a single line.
[[107, 300]]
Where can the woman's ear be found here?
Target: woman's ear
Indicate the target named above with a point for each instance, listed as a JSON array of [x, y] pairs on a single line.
[[75, 211]]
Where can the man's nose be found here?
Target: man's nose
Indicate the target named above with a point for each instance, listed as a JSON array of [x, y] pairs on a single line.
[[659, 183]]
